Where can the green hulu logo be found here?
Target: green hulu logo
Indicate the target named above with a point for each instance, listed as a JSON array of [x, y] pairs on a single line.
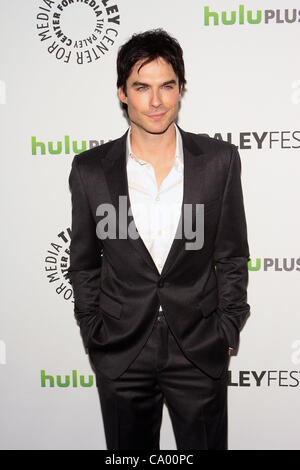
[[233, 17], [65, 147], [66, 381], [256, 266]]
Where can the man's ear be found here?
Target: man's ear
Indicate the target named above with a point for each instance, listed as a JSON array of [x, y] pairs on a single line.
[[122, 95]]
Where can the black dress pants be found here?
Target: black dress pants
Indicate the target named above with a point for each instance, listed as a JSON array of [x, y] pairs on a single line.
[[132, 404]]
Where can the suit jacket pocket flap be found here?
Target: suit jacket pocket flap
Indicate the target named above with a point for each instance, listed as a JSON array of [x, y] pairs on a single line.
[[209, 303], [110, 306]]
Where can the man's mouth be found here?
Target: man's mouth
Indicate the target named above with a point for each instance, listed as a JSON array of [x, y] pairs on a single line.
[[157, 116]]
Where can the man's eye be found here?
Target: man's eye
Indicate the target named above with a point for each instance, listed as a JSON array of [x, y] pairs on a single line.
[[141, 88]]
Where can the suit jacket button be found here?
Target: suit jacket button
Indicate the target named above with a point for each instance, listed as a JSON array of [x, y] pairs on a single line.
[[160, 283]]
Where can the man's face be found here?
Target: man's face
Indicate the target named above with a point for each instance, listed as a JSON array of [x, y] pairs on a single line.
[[152, 96]]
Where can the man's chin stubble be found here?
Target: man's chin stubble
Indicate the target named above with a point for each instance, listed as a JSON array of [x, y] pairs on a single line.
[[150, 131]]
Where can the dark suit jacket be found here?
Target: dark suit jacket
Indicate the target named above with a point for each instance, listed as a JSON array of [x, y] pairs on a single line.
[[117, 287]]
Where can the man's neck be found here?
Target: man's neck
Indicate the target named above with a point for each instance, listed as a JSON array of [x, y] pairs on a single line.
[[157, 149]]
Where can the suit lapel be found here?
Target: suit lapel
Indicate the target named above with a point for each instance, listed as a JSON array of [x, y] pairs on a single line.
[[193, 193], [114, 166]]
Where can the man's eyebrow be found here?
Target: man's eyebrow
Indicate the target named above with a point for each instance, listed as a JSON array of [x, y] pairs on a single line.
[[169, 82]]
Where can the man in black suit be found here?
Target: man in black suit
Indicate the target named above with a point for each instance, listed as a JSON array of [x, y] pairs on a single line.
[[158, 260]]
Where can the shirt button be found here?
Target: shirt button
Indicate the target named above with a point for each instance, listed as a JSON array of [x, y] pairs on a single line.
[[157, 198]]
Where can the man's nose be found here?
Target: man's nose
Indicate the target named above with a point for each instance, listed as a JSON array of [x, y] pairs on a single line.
[[156, 98]]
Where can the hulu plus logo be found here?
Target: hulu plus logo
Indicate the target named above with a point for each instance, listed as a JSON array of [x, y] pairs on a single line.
[[65, 146], [274, 264], [243, 16], [66, 381]]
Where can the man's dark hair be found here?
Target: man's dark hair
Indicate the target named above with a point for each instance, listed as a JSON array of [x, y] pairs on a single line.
[[149, 45]]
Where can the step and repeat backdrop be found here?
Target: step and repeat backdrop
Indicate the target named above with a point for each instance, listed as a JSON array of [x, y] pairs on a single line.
[[58, 97]]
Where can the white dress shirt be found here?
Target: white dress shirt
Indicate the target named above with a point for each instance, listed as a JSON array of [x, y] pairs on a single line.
[[156, 212]]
